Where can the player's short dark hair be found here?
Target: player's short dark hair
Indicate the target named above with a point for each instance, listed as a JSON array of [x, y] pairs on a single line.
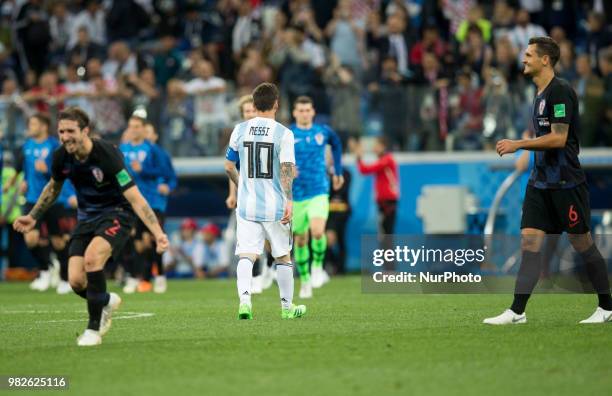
[[264, 96], [43, 118], [74, 114], [546, 46], [303, 99]]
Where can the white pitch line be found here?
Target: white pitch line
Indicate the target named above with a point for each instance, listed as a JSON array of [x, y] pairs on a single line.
[[123, 315]]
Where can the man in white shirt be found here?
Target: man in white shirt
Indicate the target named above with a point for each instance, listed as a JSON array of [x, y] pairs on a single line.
[[210, 105], [265, 149]]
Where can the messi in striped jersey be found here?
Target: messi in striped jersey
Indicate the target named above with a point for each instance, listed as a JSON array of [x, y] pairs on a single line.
[[265, 150]]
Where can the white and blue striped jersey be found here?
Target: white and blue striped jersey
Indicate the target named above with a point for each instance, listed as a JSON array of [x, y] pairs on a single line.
[[261, 145]]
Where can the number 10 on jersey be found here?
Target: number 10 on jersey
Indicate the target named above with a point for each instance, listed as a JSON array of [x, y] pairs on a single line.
[[259, 159]]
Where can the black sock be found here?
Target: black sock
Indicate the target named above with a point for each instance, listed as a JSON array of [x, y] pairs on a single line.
[[81, 293], [147, 272], [526, 280], [157, 259], [62, 257], [97, 298], [41, 254], [598, 275]]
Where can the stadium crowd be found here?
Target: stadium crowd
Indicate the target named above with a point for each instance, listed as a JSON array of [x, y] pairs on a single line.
[[430, 75]]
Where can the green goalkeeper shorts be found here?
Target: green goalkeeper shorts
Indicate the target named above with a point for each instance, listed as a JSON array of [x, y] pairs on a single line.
[[313, 208]]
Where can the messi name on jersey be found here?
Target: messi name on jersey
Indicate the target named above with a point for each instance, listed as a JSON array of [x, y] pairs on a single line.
[[259, 131]]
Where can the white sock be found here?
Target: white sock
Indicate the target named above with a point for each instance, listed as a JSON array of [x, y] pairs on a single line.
[[244, 273], [284, 273]]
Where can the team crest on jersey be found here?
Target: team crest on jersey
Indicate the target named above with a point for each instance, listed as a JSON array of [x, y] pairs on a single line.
[[98, 174], [44, 152], [319, 138], [542, 105]]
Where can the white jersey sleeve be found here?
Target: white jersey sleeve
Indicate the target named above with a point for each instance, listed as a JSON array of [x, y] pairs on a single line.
[[233, 142], [287, 148]]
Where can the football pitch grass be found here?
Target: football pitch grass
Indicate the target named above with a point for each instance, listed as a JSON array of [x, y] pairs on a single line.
[[189, 342]]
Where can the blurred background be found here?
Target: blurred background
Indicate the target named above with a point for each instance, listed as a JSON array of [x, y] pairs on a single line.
[[440, 79]]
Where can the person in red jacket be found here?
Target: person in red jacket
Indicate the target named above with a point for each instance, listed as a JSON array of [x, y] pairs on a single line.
[[386, 181]]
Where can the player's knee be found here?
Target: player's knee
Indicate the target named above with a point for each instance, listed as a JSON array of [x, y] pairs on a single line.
[[580, 242], [301, 239], [77, 281], [93, 262]]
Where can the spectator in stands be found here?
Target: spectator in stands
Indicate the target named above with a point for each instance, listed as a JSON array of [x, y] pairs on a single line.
[[346, 35], [523, 31], [77, 91], [33, 34], [474, 51], [60, 25], [210, 110], [398, 41], [48, 94], [93, 18], [566, 67], [498, 120], [503, 19], [475, 17], [12, 110], [344, 90], [296, 58], [504, 61], [590, 90], [185, 257], [144, 94], [253, 71], [215, 258], [247, 28], [432, 103], [430, 42], [125, 19], [121, 61], [107, 103], [389, 98], [177, 121], [167, 61], [84, 49], [605, 65], [598, 36], [468, 112]]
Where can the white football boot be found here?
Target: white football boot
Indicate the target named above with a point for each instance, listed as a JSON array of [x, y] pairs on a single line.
[[160, 284], [306, 289], [107, 312], [131, 284], [63, 287], [599, 316], [43, 282], [507, 317], [89, 338]]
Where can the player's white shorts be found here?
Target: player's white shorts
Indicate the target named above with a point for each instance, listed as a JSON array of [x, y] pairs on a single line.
[[250, 236]]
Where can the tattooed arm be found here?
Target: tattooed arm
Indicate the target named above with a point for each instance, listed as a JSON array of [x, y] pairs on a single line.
[[47, 197], [286, 176], [232, 172], [148, 217], [287, 179], [554, 140]]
